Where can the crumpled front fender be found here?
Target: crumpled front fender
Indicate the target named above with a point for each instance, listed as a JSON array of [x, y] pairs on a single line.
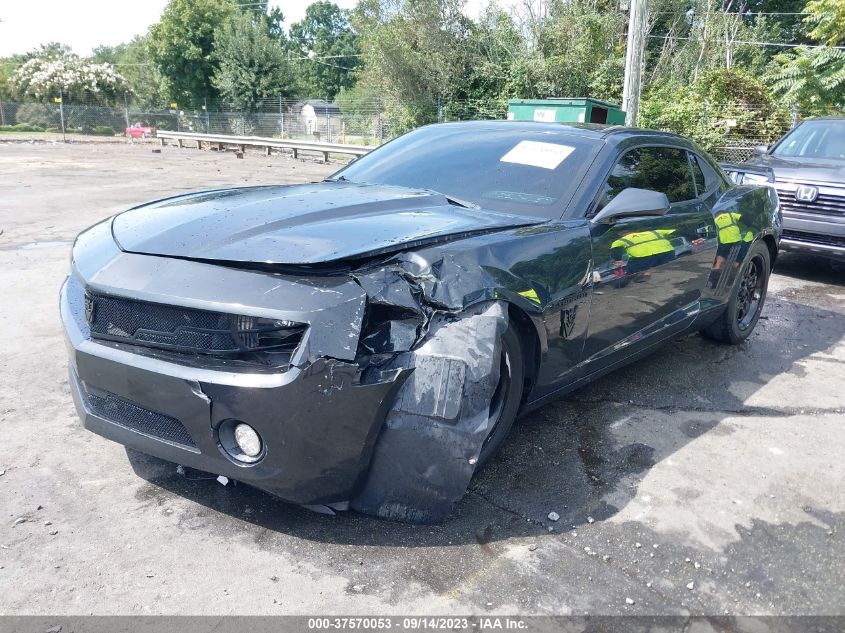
[[433, 433]]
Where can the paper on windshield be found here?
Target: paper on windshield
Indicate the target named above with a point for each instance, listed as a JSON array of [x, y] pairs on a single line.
[[538, 154]]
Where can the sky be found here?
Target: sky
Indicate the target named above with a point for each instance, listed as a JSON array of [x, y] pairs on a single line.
[[84, 24]]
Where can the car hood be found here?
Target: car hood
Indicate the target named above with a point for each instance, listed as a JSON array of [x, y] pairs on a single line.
[[301, 224], [803, 169]]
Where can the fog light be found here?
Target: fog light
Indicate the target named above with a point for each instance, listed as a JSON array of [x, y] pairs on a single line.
[[248, 440], [240, 442]]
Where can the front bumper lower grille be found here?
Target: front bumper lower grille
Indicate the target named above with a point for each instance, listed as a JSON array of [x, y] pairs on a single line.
[[132, 416], [183, 330], [814, 238]]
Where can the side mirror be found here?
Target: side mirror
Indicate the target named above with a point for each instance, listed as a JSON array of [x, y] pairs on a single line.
[[633, 202], [760, 150]]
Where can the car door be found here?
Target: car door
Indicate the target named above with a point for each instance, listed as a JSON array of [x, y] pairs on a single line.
[[649, 271]]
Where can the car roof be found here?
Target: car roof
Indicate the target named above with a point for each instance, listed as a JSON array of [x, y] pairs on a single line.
[[585, 130]]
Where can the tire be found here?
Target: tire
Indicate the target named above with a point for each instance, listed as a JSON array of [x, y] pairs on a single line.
[[508, 395], [747, 298]]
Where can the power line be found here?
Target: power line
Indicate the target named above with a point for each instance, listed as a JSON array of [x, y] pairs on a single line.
[[744, 13], [752, 43], [317, 58]]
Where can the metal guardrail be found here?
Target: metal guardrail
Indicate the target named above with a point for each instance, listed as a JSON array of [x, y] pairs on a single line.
[[267, 143]]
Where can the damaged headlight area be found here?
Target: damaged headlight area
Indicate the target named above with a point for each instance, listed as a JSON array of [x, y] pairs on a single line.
[[389, 329]]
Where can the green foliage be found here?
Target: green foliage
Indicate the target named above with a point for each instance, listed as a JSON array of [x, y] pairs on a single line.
[[813, 79], [395, 64], [326, 38], [252, 64], [576, 50], [827, 17], [103, 130], [181, 45], [677, 108], [38, 114], [412, 50], [692, 39], [7, 89], [359, 110], [135, 63], [271, 19], [495, 51], [21, 127], [721, 105], [582, 48]]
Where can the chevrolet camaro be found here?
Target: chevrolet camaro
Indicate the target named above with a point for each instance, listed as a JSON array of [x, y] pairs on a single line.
[[368, 341]]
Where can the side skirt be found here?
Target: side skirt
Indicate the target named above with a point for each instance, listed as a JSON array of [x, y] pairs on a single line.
[[691, 323]]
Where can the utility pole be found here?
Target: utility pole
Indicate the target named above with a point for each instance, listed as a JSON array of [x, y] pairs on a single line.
[[637, 22]]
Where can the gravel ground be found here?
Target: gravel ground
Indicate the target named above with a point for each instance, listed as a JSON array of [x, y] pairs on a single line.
[[703, 480]]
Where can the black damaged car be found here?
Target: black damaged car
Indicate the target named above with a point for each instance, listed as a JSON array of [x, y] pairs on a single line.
[[368, 341]]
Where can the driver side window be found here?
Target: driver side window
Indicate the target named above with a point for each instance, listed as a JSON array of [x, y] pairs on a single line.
[[664, 169]]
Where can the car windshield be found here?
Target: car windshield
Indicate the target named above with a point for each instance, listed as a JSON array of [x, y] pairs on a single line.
[[502, 168], [814, 139]]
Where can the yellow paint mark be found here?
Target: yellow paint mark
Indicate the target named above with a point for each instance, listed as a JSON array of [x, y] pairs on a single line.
[[531, 295]]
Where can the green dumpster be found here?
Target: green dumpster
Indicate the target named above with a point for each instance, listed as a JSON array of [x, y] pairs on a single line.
[[565, 110]]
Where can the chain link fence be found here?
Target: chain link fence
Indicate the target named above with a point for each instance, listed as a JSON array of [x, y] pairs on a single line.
[[368, 121], [730, 132]]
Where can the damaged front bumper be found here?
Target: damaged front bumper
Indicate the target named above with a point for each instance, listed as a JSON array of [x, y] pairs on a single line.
[[318, 417], [387, 414], [318, 423]]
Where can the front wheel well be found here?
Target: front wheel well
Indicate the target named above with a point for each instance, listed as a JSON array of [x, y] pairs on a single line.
[[770, 243], [530, 347]]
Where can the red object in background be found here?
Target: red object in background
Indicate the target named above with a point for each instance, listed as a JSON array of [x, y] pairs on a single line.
[[139, 130], [618, 270]]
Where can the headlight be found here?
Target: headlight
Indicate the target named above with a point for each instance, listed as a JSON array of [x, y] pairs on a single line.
[[754, 179]]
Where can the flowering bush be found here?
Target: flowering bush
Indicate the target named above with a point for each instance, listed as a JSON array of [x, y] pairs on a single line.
[[76, 78]]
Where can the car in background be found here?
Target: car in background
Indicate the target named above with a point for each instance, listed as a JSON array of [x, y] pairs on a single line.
[[808, 165], [139, 130]]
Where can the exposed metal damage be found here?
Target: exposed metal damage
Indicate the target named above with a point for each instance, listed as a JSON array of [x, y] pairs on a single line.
[[435, 426], [434, 430]]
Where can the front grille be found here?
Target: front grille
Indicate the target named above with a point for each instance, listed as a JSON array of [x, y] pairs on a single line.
[[132, 416], [190, 331], [814, 238], [825, 204]]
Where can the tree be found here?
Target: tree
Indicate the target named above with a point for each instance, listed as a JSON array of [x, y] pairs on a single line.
[[181, 46], [496, 55], [134, 61], [7, 90], [10, 65], [720, 105], [582, 47], [47, 76], [694, 38], [414, 55], [813, 79], [326, 38], [827, 17], [252, 63]]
